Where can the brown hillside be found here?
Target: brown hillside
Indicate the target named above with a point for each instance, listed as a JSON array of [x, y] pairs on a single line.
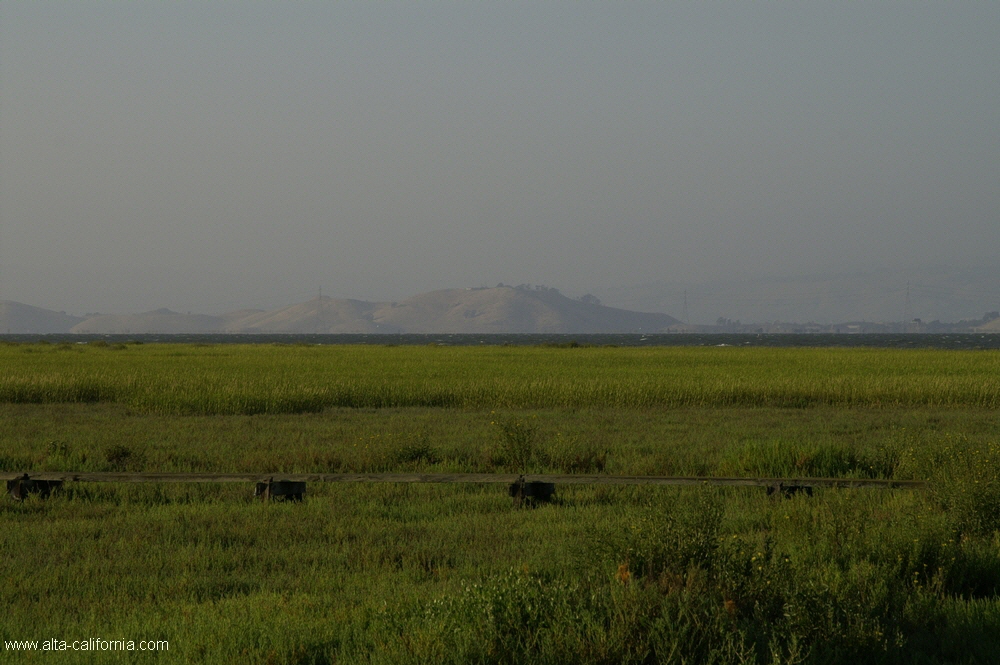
[[321, 315], [990, 327], [158, 321], [512, 310], [497, 310]]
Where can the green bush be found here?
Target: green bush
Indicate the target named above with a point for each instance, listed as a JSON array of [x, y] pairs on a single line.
[[515, 447], [780, 458], [965, 479]]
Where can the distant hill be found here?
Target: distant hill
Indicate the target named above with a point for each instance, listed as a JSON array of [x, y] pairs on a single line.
[[992, 326], [502, 309], [512, 310], [158, 321], [18, 318], [320, 315], [497, 310]]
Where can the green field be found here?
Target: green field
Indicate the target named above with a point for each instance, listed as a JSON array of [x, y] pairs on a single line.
[[455, 573]]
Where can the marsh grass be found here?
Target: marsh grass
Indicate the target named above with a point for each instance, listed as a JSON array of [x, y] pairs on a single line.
[[235, 379], [822, 441], [454, 573]]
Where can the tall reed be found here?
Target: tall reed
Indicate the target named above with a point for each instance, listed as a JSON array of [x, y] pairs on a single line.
[[247, 379]]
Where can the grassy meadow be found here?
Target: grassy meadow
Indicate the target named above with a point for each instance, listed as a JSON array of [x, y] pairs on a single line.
[[388, 573]]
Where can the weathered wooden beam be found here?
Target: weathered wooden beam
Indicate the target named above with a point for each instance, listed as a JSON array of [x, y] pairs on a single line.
[[508, 478], [731, 482], [115, 477]]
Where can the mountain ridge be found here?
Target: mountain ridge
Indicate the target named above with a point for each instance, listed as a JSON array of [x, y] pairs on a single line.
[[501, 309]]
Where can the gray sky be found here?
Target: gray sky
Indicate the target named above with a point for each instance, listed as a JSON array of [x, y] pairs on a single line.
[[213, 156]]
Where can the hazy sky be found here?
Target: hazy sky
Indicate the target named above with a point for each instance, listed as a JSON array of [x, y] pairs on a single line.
[[212, 156]]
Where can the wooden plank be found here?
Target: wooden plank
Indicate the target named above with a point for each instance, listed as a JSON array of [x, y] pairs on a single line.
[[102, 477], [729, 482], [572, 479], [109, 477]]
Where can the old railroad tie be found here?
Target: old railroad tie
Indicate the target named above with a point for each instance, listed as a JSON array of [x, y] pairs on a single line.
[[535, 487]]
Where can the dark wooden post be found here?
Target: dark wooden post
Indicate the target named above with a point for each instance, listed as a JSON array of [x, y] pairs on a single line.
[[531, 493], [20, 488], [280, 490]]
